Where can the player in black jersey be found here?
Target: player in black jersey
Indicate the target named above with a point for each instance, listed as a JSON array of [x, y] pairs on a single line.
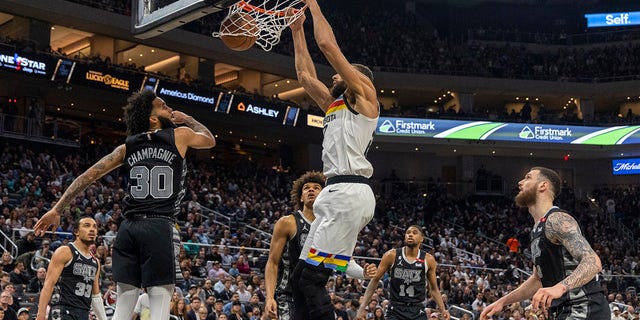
[[72, 282], [563, 283], [147, 245], [287, 241], [410, 270]]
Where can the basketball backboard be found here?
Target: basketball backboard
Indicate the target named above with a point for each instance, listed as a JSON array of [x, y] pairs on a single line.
[[151, 18]]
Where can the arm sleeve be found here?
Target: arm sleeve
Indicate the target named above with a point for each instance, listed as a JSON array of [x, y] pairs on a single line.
[[98, 307], [354, 270]]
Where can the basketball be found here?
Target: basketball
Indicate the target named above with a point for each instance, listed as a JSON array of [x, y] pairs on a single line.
[[244, 28]]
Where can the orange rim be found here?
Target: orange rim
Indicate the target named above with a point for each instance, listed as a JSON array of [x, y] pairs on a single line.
[[280, 13]]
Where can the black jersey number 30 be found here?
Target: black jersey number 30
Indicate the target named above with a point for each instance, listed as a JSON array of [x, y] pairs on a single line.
[[157, 182]]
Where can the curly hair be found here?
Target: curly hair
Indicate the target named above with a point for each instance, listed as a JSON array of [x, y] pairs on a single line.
[[296, 190], [138, 110]]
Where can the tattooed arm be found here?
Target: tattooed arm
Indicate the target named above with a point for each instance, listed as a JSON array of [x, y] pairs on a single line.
[[563, 229], [99, 169], [194, 135]]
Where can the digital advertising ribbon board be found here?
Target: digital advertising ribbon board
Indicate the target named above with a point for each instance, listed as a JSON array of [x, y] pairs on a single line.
[[108, 79], [625, 166], [503, 131], [186, 95], [614, 19], [26, 63], [287, 116]]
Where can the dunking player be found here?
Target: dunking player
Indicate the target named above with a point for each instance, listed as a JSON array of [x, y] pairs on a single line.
[[289, 235], [563, 283], [346, 204], [147, 245], [410, 269], [72, 284]]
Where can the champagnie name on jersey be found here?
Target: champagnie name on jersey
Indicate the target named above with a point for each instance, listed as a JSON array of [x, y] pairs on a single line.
[[146, 153]]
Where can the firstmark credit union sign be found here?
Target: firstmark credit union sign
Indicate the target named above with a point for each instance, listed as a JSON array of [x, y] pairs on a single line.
[[107, 79]]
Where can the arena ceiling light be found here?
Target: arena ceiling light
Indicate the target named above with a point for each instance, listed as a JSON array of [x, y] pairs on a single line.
[[68, 39], [171, 63], [147, 56]]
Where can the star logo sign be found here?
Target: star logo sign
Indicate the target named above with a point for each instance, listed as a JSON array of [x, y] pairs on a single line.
[[17, 58]]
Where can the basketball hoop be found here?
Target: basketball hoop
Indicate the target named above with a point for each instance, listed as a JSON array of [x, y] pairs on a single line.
[[270, 16]]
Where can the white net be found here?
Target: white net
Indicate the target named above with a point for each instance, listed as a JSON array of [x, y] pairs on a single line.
[[263, 19]]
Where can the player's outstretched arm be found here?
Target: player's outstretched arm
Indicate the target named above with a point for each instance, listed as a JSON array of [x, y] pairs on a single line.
[[433, 286], [357, 82], [525, 291], [282, 231], [305, 69], [58, 261], [383, 267], [356, 271], [99, 169], [562, 228]]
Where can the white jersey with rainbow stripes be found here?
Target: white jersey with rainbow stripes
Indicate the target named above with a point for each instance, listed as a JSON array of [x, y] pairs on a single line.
[[347, 138]]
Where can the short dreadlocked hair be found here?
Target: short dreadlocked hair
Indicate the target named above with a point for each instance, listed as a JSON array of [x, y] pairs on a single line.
[[552, 177], [364, 70], [296, 190], [138, 110], [419, 228]]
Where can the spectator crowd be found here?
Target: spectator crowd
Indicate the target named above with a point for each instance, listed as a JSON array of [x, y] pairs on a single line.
[[229, 211], [388, 38]]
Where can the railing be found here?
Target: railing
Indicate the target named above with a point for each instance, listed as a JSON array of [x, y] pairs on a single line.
[[460, 253], [459, 227], [36, 260], [466, 255], [266, 234], [8, 245], [47, 130], [623, 307], [500, 244], [522, 273], [457, 312], [429, 241], [623, 230], [218, 218], [626, 233]]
